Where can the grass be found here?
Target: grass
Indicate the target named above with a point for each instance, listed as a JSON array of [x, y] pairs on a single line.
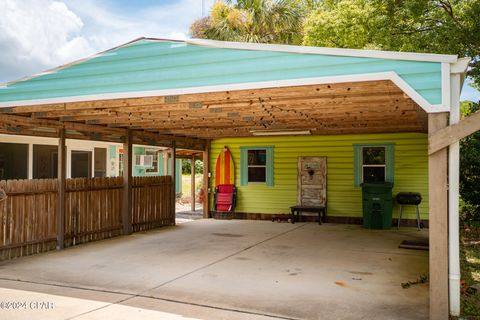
[[470, 269], [186, 184]]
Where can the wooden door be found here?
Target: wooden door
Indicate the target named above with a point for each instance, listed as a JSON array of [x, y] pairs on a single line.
[[312, 181]]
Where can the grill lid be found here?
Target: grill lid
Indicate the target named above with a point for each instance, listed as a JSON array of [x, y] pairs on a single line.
[[414, 198]]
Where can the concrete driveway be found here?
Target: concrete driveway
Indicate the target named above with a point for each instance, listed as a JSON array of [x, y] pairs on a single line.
[[211, 269]]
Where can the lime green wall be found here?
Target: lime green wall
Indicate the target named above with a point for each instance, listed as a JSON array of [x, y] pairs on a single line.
[[411, 171]]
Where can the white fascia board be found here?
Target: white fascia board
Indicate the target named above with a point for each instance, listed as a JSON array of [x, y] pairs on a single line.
[[392, 76], [393, 55], [460, 66]]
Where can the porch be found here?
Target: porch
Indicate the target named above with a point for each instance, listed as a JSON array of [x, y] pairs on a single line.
[[201, 270]]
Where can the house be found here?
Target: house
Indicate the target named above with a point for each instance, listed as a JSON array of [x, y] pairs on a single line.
[[23, 157], [371, 115]]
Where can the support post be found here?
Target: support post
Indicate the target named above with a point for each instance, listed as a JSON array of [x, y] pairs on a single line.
[[30, 161], [206, 184], [61, 173], [174, 182], [453, 202], [165, 162], [192, 172], [438, 219], [127, 184]]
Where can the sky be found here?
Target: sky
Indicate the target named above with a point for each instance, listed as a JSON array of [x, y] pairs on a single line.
[[36, 35]]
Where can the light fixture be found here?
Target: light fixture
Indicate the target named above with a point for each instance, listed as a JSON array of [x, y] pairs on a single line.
[[280, 133]]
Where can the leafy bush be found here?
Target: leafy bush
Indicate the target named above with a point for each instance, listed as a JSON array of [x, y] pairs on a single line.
[[470, 169], [186, 166]]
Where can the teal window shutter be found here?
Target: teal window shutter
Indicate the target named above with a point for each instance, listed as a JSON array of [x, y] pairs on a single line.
[[357, 166], [244, 164], [160, 164], [390, 160], [358, 161], [269, 166]]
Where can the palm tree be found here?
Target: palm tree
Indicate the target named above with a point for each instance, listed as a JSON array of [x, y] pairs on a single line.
[[266, 21]]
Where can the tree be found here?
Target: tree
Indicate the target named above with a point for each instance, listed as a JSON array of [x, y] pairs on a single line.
[[265, 21], [470, 161], [186, 166], [435, 26]]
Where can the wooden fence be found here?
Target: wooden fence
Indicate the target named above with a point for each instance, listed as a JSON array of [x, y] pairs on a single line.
[[92, 211], [152, 202]]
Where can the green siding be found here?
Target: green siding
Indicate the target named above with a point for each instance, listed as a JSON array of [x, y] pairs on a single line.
[[157, 65], [344, 199]]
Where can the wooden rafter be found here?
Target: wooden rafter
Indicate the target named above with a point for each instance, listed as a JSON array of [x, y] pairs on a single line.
[[448, 135], [374, 106]]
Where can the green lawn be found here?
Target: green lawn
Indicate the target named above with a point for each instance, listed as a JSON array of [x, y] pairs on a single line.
[[186, 184], [470, 268]]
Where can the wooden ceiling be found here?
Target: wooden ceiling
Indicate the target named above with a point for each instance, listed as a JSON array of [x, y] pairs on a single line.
[[361, 107]]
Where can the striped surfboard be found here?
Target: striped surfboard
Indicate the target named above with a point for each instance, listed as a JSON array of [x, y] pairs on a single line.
[[224, 169]]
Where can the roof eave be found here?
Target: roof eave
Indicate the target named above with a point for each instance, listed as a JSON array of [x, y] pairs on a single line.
[[392, 55]]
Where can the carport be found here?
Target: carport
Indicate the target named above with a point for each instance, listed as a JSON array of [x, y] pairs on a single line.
[[238, 269], [189, 108]]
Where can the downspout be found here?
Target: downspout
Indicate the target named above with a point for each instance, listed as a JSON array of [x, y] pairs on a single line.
[[453, 203], [457, 72]]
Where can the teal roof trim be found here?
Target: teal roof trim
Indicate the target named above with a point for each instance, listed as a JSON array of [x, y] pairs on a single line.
[[148, 65]]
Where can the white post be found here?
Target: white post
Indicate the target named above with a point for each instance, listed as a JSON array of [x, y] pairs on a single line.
[[30, 161], [453, 202]]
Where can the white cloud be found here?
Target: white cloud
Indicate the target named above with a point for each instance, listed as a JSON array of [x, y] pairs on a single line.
[[40, 30], [36, 35]]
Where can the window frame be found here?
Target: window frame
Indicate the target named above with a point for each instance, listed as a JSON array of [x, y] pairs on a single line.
[[256, 166], [389, 162], [155, 159], [268, 165]]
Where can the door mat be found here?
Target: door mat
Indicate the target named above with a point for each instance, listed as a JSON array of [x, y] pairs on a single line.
[[414, 244]]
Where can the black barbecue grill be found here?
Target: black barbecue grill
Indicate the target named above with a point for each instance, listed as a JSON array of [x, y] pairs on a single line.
[[409, 198]]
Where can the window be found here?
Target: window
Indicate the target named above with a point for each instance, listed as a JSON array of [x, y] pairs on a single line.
[[154, 168], [120, 162], [373, 163], [81, 164], [100, 160], [45, 161], [256, 165], [13, 161]]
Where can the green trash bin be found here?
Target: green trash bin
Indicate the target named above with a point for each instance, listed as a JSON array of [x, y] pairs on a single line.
[[377, 205]]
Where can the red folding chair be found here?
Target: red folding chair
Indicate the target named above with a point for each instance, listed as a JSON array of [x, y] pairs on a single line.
[[225, 199]]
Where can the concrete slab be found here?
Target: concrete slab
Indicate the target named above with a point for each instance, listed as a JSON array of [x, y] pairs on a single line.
[[315, 272], [132, 264], [27, 305], [239, 270]]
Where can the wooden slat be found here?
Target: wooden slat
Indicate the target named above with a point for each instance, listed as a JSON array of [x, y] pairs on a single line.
[[325, 89], [206, 182], [438, 223], [448, 135], [158, 120], [192, 181], [127, 185], [92, 211], [174, 178], [62, 170]]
